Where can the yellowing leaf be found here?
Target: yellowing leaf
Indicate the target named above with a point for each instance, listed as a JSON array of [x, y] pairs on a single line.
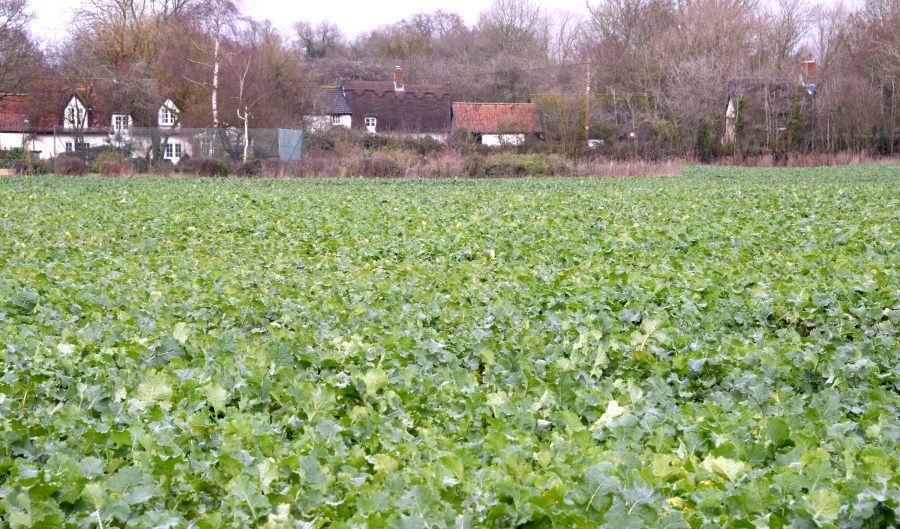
[[729, 468], [375, 379], [154, 389], [215, 395], [385, 463], [180, 332], [824, 505], [675, 502], [613, 410]]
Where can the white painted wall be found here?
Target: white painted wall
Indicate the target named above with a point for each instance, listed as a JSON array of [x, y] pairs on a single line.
[[496, 140], [320, 123], [10, 140]]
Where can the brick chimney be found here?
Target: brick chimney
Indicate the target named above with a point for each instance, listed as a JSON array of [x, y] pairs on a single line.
[[398, 79], [808, 71]]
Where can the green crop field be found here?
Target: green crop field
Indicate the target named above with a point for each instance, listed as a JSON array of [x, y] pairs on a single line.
[[720, 349]]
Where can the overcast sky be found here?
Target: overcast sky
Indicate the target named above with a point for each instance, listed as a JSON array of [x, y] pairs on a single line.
[[353, 16]]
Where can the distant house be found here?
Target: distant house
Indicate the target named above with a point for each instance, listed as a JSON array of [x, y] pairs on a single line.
[[59, 122], [398, 108], [763, 114], [330, 109], [15, 120], [640, 132], [497, 123], [611, 117]]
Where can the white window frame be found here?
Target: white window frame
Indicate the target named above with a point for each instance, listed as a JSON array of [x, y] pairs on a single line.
[[167, 114], [75, 114], [371, 124], [72, 146], [174, 151], [121, 123], [336, 119]]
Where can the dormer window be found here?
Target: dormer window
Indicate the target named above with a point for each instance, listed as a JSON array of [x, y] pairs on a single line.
[[75, 115], [168, 113], [121, 123]]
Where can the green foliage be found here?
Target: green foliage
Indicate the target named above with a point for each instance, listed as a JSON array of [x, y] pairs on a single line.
[[9, 156], [796, 124], [714, 350], [706, 144], [204, 167]]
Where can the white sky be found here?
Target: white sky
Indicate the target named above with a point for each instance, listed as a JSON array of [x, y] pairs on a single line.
[[353, 16]]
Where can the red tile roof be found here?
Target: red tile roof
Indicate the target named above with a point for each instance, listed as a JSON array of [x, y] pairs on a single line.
[[496, 118], [14, 112]]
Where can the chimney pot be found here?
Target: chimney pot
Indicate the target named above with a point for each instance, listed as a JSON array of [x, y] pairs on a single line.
[[398, 79], [808, 71]]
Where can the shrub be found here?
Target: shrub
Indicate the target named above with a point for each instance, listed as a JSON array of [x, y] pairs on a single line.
[[424, 146], [461, 140], [164, 168], [313, 167], [107, 157], [24, 167], [475, 166], [248, 168], [374, 166], [112, 168], [8, 157], [374, 142], [140, 165], [322, 140], [204, 167], [66, 165]]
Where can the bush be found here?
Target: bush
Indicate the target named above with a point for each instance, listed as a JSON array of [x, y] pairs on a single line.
[[164, 168], [66, 165], [374, 142], [249, 168], [8, 157], [112, 168], [374, 166], [107, 157], [24, 167], [475, 166], [204, 167], [323, 140], [424, 146], [140, 165]]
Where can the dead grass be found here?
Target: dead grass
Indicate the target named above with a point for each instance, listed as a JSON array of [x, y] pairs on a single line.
[[808, 160]]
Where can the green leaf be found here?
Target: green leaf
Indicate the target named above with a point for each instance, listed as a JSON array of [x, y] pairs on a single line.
[[375, 379], [247, 494], [94, 494], [180, 332], [613, 410], [154, 388], [216, 395], [268, 472], [729, 468], [824, 505], [91, 467]]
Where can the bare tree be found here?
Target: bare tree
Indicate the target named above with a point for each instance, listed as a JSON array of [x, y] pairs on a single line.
[[18, 52], [517, 27], [631, 22], [319, 41]]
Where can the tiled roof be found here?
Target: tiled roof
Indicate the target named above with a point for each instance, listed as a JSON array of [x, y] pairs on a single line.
[[496, 118], [331, 100], [14, 112], [417, 109], [384, 87]]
